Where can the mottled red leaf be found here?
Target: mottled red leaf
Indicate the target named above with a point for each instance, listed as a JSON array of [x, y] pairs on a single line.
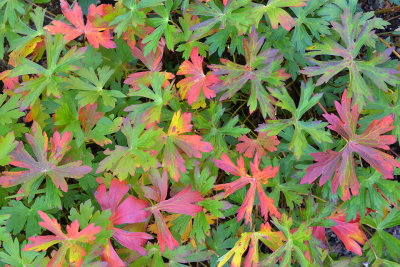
[[259, 145], [69, 241], [176, 140], [181, 203], [96, 36], [196, 81], [341, 163], [256, 180], [131, 210], [43, 163]]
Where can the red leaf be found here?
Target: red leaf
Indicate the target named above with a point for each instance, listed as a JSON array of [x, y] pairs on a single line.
[[191, 145], [69, 241], [342, 163], [43, 164], [350, 233], [181, 203], [96, 36], [152, 61], [256, 180], [259, 145], [131, 210], [191, 86]]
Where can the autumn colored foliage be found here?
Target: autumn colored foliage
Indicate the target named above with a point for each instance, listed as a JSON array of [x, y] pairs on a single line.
[[198, 133]]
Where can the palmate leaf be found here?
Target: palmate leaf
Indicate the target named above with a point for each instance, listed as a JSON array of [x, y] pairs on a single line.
[[176, 140], [11, 9], [124, 160], [277, 15], [43, 163], [261, 67], [308, 25], [131, 210], [49, 78], [162, 28], [7, 144], [232, 20], [95, 126], [256, 180], [360, 71], [214, 128], [264, 142], [96, 36], [22, 216], [365, 144], [181, 203], [197, 82], [69, 242], [9, 112], [16, 257], [301, 128], [92, 86], [151, 111]]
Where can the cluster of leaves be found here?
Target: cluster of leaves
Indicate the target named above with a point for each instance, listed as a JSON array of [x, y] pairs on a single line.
[[153, 158]]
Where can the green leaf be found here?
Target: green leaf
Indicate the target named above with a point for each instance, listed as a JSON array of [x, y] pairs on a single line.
[[16, 257]]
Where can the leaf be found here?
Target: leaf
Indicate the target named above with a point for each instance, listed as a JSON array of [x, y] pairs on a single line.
[[301, 128], [131, 210], [48, 79], [68, 242], [181, 203], [153, 62], [191, 145], [361, 73], [7, 144], [260, 145], [348, 232], [256, 180], [260, 67], [277, 15], [43, 163], [13, 9], [95, 127], [308, 25], [151, 111], [213, 131], [15, 256], [96, 36], [9, 112], [124, 160], [197, 82], [161, 28], [91, 87], [365, 144], [22, 216]]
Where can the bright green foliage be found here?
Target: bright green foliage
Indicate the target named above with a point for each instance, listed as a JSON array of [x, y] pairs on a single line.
[[22, 215], [7, 144], [9, 109], [151, 111], [162, 28], [15, 256], [382, 241], [124, 160], [92, 86], [261, 67], [49, 78], [313, 128], [11, 9], [308, 25], [360, 71], [37, 17], [209, 122]]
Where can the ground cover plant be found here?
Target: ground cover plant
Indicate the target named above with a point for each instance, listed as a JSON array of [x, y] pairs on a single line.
[[199, 133]]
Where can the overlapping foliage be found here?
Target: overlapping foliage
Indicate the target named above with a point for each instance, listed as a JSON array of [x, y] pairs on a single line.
[[155, 160]]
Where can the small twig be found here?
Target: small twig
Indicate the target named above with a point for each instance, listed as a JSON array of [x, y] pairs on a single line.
[[390, 9], [29, 2], [394, 51]]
